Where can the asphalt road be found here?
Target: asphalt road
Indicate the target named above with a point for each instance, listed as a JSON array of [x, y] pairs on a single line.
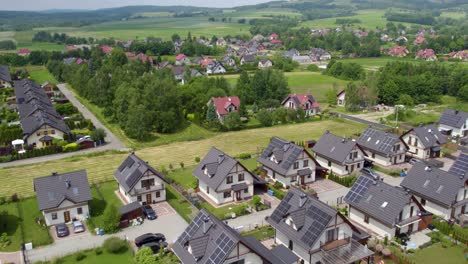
[[113, 143]]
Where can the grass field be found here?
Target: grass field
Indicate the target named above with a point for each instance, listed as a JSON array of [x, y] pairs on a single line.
[[101, 166], [261, 233], [432, 254], [183, 177], [40, 75], [91, 257], [98, 205]]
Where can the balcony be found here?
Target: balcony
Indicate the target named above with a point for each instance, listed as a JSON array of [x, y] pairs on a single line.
[[335, 243], [147, 189]]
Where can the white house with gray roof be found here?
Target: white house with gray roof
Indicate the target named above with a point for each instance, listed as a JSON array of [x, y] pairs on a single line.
[[442, 193], [288, 163], [63, 198], [454, 123], [384, 209], [339, 155], [138, 181], [5, 77], [424, 142], [207, 240], [224, 179], [316, 232], [383, 148]]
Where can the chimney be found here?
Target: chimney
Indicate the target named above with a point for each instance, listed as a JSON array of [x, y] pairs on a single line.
[[229, 99], [303, 199], [54, 173], [428, 168], [343, 140], [68, 183], [374, 182], [206, 226], [220, 158], [456, 112]]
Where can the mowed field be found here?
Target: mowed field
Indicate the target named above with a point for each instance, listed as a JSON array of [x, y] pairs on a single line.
[[101, 166]]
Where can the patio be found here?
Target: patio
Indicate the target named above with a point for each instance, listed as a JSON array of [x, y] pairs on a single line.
[[417, 239]]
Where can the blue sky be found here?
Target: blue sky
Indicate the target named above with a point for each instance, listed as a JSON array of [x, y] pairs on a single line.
[[96, 4]]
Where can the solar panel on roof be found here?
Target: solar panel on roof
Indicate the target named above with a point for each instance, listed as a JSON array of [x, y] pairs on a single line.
[[224, 246], [358, 190], [460, 166], [191, 229], [280, 211]]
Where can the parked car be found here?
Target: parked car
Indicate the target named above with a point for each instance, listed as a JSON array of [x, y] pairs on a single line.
[[62, 230], [148, 238], [149, 212], [155, 246], [412, 161], [371, 173], [78, 227]]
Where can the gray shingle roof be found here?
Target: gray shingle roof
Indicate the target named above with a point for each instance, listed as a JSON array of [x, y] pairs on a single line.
[[378, 141], [285, 152], [52, 190], [453, 118], [249, 58], [131, 170], [285, 254], [429, 136], [333, 147], [211, 241], [433, 184], [5, 73], [124, 209], [460, 166], [378, 199]]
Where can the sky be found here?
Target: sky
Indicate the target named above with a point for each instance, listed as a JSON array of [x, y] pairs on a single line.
[[37, 5]]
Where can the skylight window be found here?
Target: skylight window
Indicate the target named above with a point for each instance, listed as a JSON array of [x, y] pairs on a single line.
[[384, 205], [377, 142], [426, 183], [332, 149], [426, 138], [369, 198], [440, 189], [368, 139]]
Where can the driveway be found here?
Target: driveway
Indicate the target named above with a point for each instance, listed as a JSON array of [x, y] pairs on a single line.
[[329, 191], [11, 257], [170, 224], [113, 143]]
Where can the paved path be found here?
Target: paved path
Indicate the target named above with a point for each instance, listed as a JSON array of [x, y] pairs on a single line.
[[113, 142], [11, 257], [363, 121]]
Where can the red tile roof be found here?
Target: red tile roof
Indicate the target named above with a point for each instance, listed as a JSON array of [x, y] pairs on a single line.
[[181, 56], [426, 54], [24, 51], [419, 40], [276, 41], [273, 35], [107, 49], [222, 103], [398, 51], [302, 99], [70, 47], [206, 61]]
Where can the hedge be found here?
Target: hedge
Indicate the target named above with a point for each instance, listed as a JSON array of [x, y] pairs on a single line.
[[454, 231], [347, 181]]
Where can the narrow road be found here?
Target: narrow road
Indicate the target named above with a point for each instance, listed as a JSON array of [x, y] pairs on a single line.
[[113, 143], [362, 121]]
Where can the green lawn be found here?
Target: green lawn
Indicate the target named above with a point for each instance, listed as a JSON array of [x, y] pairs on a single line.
[[33, 232], [250, 164], [40, 75], [180, 204], [261, 233], [223, 212], [92, 257], [435, 253], [183, 177], [98, 205]]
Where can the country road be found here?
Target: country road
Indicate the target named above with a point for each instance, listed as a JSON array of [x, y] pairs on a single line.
[[113, 143]]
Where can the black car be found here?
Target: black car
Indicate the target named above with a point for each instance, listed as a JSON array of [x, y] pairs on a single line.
[[149, 238], [149, 212], [62, 230], [156, 246]]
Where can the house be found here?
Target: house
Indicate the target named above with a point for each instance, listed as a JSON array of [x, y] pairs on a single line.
[[39, 120], [386, 210], [69, 61], [459, 55], [5, 77], [86, 143], [195, 73], [339, 155], [48, 88], [182, 59], [221, 42], [230, 52], [62, 198], [163, 64], [206, 61], [223, 179], [247, 59], [139, 182], [419, 40], [306, 101], [383, 148], [276, 42], [215, 68], [426, 54], [291, 53], [258, 38], [79, 61], [318, 54], [341, 98], [228, 61], [424, 142], [316, 232], [302, 60], [24, 52], [209, 240], [401, 39], [243, 51], [442, 193], [274, 36], [106, 49], [288, 163], [141, 57], [398, 51], [224, 106], [454, 123], [264, 63], [385, 38], [179, 72]]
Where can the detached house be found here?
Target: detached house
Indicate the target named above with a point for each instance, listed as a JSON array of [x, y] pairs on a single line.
[[63, 198], [225, 105], [306, 101], [264, 63], [426, 54], [5, 77], [454, 123], [384, 209], [442, 193], [215, 68], [207, 240], [316, 232], [288, 163], [318, 54], [223, 179], [424, 142], [302, 60], [341, 98], [419, 40], [382, 147], [138, 181], [398, 51], [339, 155], [247, 59], [182, 59], [229, 61]]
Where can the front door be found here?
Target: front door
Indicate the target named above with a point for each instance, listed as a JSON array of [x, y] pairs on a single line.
[[66, 216], [352, 168], [302, 179], [397, 231], [238, 196], [394, 160], [463, 209], [148, 198], [410, 229]]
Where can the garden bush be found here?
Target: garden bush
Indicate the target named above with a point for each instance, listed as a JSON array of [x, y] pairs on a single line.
[[80, 256], [115, 245], [244, 156], [71, 147], [346, 181], [98, 251]]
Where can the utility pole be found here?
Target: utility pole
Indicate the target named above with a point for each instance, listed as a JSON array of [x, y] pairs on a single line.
[[396, 116]]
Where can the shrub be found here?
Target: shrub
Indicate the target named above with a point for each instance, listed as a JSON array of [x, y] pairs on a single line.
[[145, 255], [278, 185], [182, 165], [245, 156], [98, 251], [111, 219], [313, 68], [256, 200], [197, 159], [171, 167], [80, 256], [2, 200], [114, 245], [71, 147], [14, 198]]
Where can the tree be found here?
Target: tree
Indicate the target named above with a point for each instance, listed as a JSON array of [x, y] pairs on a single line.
[[463, 93], [352, 97], [98, 134], [331, 96], [406, 100], [145, 256], [244, 89], [232, 121], [265, 118], [211, 112], [111, 219]]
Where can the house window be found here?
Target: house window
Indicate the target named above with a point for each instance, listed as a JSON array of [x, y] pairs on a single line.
[[158, 194], [46, 133], [52, 132], [355, 154], [373, 155], [293, 178], [329, 163], [229, 179], [290, 246], [146, 184], [416, 151], [415, 142], [350, 155], [409, 140], [38, 134], [423, 201], [400, 216], [240, 177], [227, 194], [296, 165], [397, 148], [207, 189], [246, 190], [139, 198], [411, 211], [346, 168], [274, 175], [359, 165], [240, 261], [79, 210], [54, 216], [309, 176], [366, 219], [305, 163]]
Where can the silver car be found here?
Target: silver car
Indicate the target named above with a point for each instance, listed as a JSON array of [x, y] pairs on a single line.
[[78, 227]]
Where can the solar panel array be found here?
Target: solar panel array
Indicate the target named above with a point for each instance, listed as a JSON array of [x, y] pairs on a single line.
[[386, 141], [291, 158], [280, 211], [359, 189], [450, 119], [191, 229], [460, 166], [321, 219], [128, 162], [223, 248]]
